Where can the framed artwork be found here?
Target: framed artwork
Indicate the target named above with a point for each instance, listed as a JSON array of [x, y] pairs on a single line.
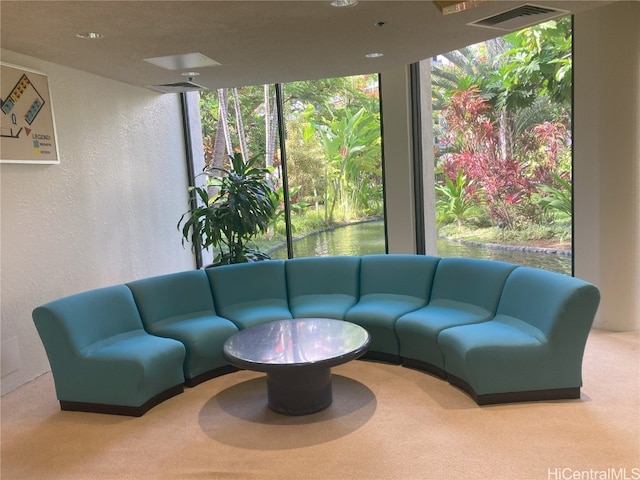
[[27, 127]]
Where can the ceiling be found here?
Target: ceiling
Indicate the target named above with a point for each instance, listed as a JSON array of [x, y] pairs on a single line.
[[254, 42]]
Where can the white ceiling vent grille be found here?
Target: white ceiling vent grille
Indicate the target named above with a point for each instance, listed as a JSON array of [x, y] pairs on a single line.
[[177, 87], [519, 17]]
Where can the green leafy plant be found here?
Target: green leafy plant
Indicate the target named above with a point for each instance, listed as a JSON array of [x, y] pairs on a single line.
[[351, 144], [453, 202], [297, 207], [557, 199], [244, 205]]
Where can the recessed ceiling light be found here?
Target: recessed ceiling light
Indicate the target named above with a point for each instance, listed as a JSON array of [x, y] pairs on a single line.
[[374, 55], [344, 3], [448, 7], [89, 35]]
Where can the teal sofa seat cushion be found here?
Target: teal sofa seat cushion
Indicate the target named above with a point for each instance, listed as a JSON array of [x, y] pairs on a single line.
[[499, 356], [324, 287], [128, 369], [504, 355], [100, 353], [390, 286], [250, 293], [535, 342], [418, 331], [180, 306], [203, 336], [465, 291]]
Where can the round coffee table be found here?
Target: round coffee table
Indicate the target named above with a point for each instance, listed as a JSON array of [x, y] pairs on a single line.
[[297, 356]]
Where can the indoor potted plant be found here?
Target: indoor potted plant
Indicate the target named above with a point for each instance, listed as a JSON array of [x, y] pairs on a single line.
[[243, 205]]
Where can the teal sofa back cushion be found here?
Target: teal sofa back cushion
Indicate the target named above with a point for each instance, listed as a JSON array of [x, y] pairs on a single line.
[[398, 274], [172, 295], [471, 281], [250, 293], [390, 286], [85, 318], [322, 286], [541, 298]]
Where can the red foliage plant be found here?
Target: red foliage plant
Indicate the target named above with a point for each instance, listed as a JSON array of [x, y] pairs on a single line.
[[505, 185]]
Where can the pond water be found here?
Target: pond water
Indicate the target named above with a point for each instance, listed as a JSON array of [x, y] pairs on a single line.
[[368, 238]]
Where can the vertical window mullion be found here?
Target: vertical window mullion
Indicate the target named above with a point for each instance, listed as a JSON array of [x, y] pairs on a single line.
[[283, 163]]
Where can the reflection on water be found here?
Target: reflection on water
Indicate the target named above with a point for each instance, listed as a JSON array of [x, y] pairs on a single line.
[[358, 239], [368, 238], [548, 261]]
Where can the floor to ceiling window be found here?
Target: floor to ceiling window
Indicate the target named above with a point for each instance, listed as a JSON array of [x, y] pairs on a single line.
[[330, 160], [503, 154], [502, 126]]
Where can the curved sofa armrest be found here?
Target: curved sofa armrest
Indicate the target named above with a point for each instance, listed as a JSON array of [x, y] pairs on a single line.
[[560, 306], [77, 321]]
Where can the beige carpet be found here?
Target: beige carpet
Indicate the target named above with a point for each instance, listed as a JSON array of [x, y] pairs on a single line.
[[386, 422]]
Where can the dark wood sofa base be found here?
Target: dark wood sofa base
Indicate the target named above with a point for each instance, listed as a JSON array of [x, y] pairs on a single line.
[[513, 397], [485, 399], [381, 357], [122, 409], [203, 377], [424, 367]]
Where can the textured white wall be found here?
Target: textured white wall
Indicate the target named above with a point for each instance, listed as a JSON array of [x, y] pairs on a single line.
[[107, 214], [607, 160]]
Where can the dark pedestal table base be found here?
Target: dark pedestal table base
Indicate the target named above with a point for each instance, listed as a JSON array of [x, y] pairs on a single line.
[[297, 355], [299, 392]]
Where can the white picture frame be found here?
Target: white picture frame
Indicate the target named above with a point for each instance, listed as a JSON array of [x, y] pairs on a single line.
[[27, 125]]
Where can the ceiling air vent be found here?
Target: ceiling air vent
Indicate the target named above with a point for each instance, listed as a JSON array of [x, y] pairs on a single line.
[[177, 87], [519, 17]]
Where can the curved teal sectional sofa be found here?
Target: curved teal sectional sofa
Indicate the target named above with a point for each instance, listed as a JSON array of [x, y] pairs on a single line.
[[500, 332]]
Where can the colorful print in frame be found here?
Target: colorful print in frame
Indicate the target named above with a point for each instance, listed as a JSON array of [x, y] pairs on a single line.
[[27, 127]]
